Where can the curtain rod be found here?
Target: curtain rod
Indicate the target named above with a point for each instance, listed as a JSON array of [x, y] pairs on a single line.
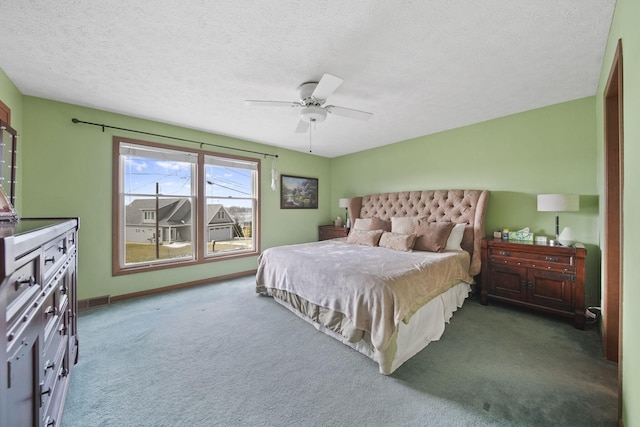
[[103, 126]]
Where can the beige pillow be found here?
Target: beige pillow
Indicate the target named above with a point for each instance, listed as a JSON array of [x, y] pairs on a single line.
[[432, 236], [405, 224], [363, 237], [371, 224], [399, 242]]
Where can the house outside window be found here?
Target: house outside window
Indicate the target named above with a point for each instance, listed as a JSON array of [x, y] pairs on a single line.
[[165, 216]]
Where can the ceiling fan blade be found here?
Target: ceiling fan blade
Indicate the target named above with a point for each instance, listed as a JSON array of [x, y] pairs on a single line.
[[258, 103], [348, 112], [326, 86], [302, 126]]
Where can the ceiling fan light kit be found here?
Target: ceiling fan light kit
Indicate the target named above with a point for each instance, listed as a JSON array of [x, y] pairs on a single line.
[[313, 113]]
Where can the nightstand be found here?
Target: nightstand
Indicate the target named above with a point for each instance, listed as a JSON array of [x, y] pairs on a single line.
[[326, 232], [536, 276]]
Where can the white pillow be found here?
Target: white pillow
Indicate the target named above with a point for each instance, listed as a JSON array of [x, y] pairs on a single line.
[[455, 238]]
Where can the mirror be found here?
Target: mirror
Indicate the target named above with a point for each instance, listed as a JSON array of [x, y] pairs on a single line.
[[8, 141]]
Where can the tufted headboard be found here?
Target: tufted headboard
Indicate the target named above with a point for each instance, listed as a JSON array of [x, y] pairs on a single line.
[[458, 206]]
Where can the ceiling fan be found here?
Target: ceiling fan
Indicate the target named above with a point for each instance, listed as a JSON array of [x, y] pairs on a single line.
[[313, 96]]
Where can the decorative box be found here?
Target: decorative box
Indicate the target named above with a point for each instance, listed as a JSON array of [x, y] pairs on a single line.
[[521, 235]]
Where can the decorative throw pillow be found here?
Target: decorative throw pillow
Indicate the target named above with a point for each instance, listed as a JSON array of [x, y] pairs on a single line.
[[432, 236], [363, 237], [455, 238], [399, 242], [372, 224], [405, 224]]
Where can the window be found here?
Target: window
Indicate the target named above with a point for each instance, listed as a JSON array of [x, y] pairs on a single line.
[[149, 216], [230, 204], [174, 206]]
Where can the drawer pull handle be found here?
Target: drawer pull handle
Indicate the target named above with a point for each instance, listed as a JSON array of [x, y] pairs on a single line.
[[524, 284], [551, 275], [551, 258], [50, 422], [49, 365], [505, 253], [43, 392], [50, 259], [23, 280], [62, 373], [50, 310]]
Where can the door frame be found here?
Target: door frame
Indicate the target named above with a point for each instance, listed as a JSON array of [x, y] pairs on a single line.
[[613, 216]]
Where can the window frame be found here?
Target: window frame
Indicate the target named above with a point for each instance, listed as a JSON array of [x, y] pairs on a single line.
[[201, 256]]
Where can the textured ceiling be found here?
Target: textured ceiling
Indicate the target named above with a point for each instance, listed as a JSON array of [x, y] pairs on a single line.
[[420, 66]]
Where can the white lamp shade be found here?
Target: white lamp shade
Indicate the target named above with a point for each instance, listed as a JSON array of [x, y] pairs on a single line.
[[343, 203], [558, 202]]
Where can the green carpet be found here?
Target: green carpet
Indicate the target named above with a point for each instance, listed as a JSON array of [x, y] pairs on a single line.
[[220, 355]]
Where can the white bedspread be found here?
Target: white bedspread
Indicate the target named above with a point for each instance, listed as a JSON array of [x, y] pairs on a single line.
[[375, 287]]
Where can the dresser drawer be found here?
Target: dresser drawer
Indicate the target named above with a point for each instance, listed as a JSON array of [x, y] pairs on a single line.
[[53, 317], [55, 253], [22, 287], [532, 263], [55, 372], [564, 259]]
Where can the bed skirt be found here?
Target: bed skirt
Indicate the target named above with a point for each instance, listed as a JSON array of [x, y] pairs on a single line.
[[426, 325]]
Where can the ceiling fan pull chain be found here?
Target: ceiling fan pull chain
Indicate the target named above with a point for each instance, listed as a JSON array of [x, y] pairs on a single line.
[[274, 174]]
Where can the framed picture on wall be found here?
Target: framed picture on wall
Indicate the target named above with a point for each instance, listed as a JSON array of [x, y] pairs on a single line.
[[297, 192]]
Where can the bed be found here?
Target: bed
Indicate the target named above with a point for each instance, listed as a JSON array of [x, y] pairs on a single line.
[[388, 289]]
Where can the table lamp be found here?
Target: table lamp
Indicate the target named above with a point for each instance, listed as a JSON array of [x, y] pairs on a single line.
[[558, 203], [344, 203]]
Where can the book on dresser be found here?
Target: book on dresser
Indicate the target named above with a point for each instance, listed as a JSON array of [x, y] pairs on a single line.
[[536, 276], [39, 324]]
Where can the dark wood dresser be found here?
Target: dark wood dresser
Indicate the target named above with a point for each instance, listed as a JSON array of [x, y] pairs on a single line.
[[326, 232], [537, 276], [39, 326]]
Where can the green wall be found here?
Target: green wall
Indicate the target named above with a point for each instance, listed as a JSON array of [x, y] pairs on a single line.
[[547, 150], [68, 173], [625, 27]]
